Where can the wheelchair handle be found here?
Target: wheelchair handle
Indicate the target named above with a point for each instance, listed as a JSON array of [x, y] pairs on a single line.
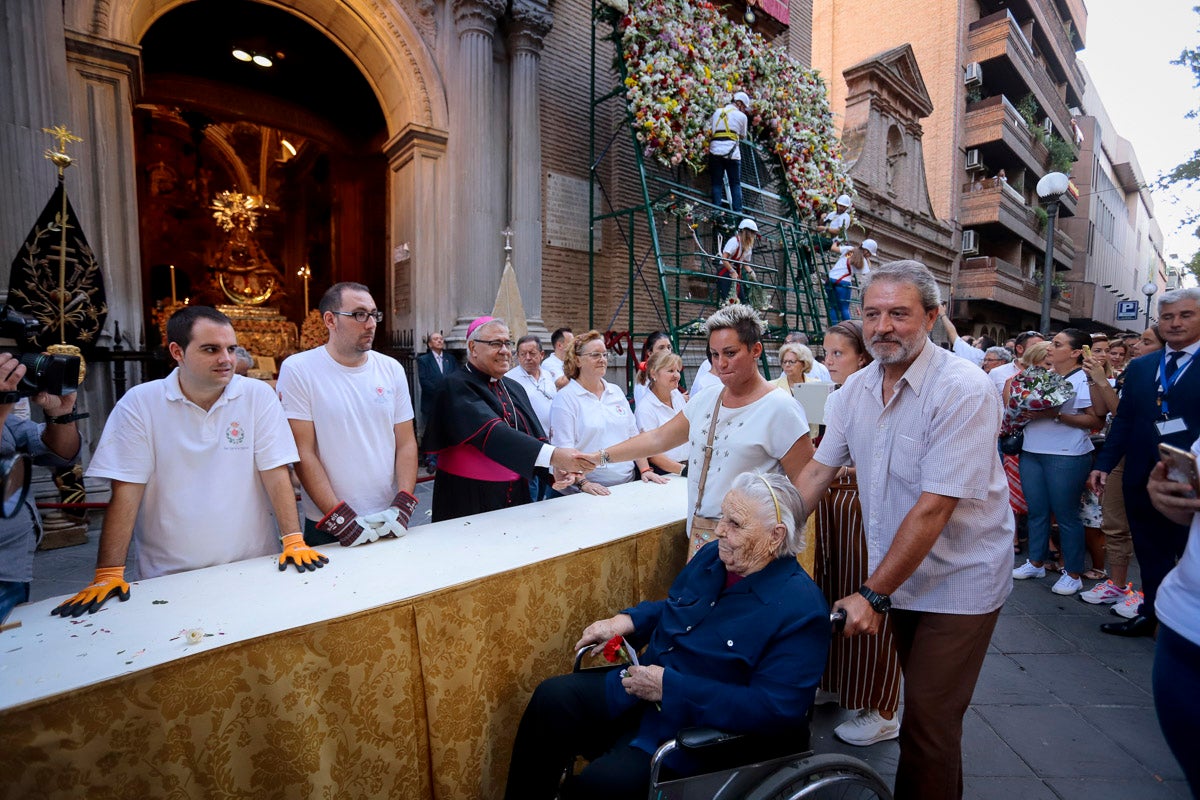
[[837, 619]]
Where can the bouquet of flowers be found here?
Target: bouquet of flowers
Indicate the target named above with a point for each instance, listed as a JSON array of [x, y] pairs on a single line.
[[1035, 389]]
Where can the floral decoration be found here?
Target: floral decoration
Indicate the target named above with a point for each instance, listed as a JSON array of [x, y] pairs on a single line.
[[1034, 389], [683, 59]]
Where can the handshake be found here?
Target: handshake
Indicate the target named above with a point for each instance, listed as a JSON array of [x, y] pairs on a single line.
[[569, 466], [349, 528]]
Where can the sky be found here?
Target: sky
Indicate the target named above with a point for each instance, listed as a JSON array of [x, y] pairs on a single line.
[[1128, 53]]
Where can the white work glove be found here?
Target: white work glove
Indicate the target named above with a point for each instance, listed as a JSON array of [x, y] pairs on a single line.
[[393, 520]]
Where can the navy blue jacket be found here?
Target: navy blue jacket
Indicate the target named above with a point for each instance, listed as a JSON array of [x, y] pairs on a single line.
[[744, 659], [432, 379], [1133, 433]]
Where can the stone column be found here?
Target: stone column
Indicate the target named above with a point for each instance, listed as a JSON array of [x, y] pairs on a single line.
[[530, 24], [477, 267], [32, 97]]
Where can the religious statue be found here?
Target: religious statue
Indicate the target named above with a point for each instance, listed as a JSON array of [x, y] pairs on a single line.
[[244, 274]]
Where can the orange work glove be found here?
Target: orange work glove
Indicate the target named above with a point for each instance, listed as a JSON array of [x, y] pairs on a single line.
[[300, 554], [107, 581]]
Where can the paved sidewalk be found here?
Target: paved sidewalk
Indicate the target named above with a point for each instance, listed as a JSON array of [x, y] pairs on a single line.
[[1061, 710]]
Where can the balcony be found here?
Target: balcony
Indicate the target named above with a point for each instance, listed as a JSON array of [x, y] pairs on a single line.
[[985, 278], [995, 121], [1009, 65], [1001, 205]]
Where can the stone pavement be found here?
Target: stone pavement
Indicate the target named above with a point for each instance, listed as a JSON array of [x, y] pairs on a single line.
[[1060, 711]]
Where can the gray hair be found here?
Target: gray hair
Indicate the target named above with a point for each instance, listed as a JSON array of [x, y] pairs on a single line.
[[491, 323], [801, 351], [911, 272], [243, 356], [764, 491], [1179, 295], [741, 318], [1002, 353]]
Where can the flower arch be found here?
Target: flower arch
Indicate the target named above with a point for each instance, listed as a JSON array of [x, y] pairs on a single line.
[[683, 59]]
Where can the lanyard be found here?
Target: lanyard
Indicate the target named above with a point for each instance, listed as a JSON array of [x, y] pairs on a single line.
[[1165, 384]]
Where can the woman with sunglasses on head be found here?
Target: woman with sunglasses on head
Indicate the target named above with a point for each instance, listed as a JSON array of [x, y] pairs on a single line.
[[590, 414], [863, 671]]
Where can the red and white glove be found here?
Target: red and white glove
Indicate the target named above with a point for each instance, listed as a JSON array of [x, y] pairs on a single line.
[[393, 520], [343, 523]]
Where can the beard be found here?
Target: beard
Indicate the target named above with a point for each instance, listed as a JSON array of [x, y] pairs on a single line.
[[904, 349]]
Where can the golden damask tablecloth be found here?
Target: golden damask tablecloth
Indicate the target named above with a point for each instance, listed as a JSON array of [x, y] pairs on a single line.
[[418, 699]]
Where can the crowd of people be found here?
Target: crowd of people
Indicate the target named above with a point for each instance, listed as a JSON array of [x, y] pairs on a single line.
[[899, 509]]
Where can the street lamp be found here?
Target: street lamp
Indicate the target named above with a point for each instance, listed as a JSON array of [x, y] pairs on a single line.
[[1149, 290], [1052, 186]]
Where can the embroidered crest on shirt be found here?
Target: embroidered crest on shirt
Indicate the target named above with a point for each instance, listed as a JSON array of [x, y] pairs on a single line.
[[235, 433]]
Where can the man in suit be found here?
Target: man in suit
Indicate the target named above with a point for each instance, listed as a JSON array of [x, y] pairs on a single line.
[[487, 437], [432, 368], [1160, 403]]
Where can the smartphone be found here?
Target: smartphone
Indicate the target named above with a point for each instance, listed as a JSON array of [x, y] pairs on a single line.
[[1181, 466], [1087, 351]]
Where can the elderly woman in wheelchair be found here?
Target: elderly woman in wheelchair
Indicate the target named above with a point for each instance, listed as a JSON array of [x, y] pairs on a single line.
[[738, 645]]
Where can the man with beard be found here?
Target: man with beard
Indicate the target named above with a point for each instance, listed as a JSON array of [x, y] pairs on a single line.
[[487, 437], [352, 417], [920, 425]]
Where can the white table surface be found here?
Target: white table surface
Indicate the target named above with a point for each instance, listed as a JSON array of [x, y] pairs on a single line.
[[230, 603]]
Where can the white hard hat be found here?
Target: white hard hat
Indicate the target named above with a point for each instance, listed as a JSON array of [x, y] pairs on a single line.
[[845, 200], [743, 98], [870, 246], [748, 224]]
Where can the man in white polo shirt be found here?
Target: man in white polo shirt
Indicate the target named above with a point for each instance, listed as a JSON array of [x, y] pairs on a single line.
[[352, 416], [198, 462]]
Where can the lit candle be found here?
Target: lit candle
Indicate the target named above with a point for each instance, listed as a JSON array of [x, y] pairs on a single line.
[[172, 284], [305, 273]]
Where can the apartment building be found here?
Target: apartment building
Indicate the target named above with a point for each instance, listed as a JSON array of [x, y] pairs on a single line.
[[1005, 84]]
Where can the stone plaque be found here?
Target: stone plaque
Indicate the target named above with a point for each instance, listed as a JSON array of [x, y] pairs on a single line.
[[567, 212]]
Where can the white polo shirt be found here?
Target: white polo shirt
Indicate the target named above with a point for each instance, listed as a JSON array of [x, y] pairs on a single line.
[[653, 413], [589, 423], [204, 502]]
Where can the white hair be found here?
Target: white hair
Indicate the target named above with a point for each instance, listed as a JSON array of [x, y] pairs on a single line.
[[764, 491], [1179, 295]]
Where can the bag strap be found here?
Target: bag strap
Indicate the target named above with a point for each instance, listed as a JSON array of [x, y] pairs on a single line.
[[708, 448]]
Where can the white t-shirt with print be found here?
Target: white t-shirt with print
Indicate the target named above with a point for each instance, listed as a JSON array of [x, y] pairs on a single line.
[[589, 423], [748, 439], [1046, 436], [204, 502], [353, 411]]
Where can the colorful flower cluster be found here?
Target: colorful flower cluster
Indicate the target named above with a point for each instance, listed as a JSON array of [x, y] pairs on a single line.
[[1034, 389], [684, 59]]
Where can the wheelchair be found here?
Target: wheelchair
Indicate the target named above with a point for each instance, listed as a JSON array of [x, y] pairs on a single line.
[[759, 767]]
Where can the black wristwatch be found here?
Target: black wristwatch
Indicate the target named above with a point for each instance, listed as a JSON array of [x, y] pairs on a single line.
[[880, 602], [65, 419]]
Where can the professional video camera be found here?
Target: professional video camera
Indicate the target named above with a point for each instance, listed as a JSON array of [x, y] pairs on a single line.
[[44, 372]]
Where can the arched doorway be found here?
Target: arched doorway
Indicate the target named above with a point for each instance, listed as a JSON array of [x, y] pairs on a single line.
[[244, 98], [386, 44]]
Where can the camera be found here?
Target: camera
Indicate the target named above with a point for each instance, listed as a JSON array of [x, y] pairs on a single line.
[[44, 372]]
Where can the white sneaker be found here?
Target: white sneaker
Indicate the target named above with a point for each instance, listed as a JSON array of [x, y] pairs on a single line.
[[1028, 570], [1067, 585], [1106, 592], [867, 727], [1128, 608]]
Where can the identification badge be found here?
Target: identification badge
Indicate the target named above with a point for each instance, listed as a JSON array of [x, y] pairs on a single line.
[[1168, 426]]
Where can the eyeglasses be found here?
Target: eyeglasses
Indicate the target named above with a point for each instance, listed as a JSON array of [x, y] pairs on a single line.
[[497, 344], [992, 358], [361, 316], [789, 363], [603, 354]]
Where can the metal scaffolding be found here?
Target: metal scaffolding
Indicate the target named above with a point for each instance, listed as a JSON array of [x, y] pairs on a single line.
[[672, 233]]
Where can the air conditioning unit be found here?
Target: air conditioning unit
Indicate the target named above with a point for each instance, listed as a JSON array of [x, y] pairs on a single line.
[[1048, 126], [974, 160], [970, 243], [974, 74]]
